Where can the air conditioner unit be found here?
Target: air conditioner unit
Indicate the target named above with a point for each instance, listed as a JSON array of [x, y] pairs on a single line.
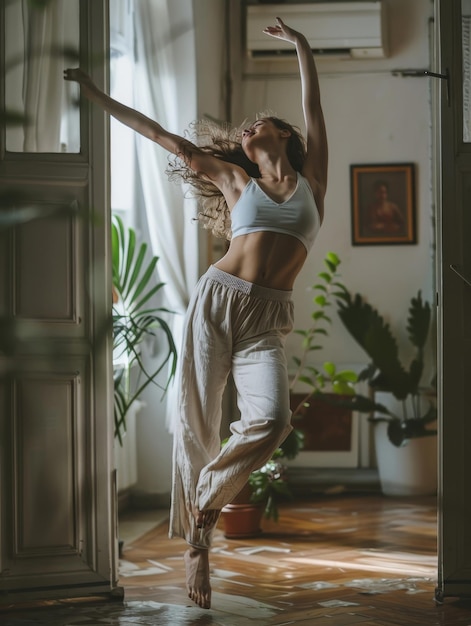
[[335, 29]]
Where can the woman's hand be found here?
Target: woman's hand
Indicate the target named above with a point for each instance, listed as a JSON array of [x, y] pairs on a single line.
[[77, 75], [281, 31]]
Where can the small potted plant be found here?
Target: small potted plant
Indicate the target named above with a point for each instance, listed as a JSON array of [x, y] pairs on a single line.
[[412, 428], [262, 493]]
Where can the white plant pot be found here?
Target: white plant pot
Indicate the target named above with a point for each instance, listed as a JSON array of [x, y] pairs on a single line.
[[410, 470]]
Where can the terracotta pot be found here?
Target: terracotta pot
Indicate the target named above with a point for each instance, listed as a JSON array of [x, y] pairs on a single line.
[[242, 521], [241, 518]]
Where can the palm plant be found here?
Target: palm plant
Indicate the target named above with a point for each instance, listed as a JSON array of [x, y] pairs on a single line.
[[386, 372], [135, 320]]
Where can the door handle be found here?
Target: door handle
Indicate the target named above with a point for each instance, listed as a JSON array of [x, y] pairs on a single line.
[[423, 73], [457, 271]]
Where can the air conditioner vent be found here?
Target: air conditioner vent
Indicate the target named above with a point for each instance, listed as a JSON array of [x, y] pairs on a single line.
[[291, 54], [334, 29]]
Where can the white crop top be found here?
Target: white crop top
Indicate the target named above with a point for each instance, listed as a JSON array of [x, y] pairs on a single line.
[[256, 211]]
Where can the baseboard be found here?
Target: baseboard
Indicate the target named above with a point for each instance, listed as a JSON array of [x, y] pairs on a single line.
[[149, 501], [306, 480], [303, 481], [124, 500], [131, 499]]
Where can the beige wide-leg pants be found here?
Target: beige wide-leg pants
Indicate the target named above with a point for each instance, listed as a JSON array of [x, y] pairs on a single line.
[[231, 326]]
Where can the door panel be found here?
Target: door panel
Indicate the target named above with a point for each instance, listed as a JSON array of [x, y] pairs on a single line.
[[454, 278]]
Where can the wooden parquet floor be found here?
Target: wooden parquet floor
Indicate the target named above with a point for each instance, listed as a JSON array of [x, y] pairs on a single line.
[[333, 561], [336, 560]]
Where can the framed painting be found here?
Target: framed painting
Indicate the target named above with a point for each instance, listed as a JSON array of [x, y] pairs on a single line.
[[331, 434], [383, 204]]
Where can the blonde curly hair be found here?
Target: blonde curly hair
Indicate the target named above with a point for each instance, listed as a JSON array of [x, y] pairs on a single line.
[[224, 142]]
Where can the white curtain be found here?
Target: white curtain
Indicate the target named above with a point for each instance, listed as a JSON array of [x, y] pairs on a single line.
[[165, 90], [35, 85]]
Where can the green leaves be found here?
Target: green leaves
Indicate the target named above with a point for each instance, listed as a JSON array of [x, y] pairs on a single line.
[[401, 431], [325, 289], [418, 322], [387, 373], [135, 320], [332, 261], [373, 334], [269, 484], [292, 445], [359, 403]]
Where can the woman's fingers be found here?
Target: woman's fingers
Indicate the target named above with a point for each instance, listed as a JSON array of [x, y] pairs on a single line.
[[76, 74], [70, 74]]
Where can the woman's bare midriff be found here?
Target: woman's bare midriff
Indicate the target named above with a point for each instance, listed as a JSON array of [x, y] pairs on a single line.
[[264, 258]]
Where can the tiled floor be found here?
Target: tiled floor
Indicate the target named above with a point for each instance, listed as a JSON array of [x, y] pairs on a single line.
[[335, 561]]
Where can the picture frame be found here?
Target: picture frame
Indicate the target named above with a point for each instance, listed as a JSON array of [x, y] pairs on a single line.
[[383, 204], [331, 434]]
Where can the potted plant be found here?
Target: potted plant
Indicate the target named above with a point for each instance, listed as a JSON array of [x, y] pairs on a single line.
[[269, 485], [412, 428], [327, 380], [262, 493], [135, 320]]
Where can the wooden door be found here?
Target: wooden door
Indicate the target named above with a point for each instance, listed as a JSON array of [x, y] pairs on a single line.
[[454, 303], [57, 497]]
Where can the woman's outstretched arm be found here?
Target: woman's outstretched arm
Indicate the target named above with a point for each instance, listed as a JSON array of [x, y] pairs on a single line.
[[317, 153], [195, 158]]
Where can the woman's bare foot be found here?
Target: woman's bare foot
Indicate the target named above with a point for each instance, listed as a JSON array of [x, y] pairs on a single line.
[[197, 576]]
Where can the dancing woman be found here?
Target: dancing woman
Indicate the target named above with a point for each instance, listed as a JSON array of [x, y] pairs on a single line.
[[265, 192]]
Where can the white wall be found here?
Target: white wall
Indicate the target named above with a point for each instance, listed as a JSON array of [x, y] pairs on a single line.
[[371, 117]]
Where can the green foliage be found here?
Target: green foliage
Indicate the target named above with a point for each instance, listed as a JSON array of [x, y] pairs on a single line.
[[270, 484], [327, 289], [374, 335], [135, 320], [291, 446], [387, 372]]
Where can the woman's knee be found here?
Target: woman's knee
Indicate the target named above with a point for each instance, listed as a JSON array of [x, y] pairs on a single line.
[[275, 432], [271, 427]]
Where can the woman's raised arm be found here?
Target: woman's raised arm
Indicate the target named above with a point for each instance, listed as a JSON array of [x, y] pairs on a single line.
[[317, 153]]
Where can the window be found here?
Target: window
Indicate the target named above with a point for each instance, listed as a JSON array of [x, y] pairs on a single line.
[[122, 138]]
